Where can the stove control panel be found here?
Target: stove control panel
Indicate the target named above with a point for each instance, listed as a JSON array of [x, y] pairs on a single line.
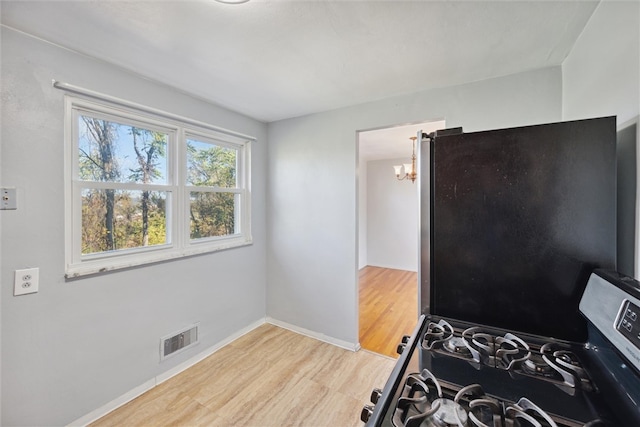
[[611, 302], [627, 323]]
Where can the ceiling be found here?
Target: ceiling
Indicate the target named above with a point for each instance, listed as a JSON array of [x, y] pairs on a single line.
[[278, 59]]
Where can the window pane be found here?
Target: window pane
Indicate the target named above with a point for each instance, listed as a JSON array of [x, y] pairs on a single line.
[[213, 214], [211, 165], [117, 219], [117, 152]]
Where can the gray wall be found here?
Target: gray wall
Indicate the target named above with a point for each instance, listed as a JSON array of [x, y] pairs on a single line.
[[362, 175], [601, 77], [392, 217], [312, 191], [76, 345]]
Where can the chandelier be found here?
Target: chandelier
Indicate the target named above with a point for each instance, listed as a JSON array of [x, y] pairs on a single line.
[[410, 171]]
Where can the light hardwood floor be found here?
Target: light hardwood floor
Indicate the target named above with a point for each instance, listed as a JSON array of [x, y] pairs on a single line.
[[269, 377], [388, 308]]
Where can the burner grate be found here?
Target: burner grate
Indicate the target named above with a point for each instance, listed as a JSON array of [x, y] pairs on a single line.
[[424, 402], [548, 361]]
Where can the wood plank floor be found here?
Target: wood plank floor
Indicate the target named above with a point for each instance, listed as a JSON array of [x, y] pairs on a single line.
[[388, 308], [269, 377]]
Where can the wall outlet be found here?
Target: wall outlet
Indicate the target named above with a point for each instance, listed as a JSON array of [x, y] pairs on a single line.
[[26, 281], [8, 199]]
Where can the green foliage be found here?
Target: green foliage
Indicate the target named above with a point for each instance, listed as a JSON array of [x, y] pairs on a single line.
[[128, 221], [214, 166], [212, 213], [111, 219], [116, 219]]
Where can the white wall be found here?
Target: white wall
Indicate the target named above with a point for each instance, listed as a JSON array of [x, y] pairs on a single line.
[[362, 214], [311, 210], [392, 223], [76, 345], [601, 77]]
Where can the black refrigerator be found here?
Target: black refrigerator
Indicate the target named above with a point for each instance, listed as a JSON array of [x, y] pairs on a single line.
[[514, 220]]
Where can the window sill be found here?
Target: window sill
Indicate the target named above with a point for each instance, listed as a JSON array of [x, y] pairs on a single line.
[[121, 262]]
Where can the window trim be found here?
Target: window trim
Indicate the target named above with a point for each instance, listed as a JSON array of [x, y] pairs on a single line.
[[179, 244]]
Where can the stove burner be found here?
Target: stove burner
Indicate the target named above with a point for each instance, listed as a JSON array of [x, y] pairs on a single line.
[[529, 412], [457, 345], [535, 365], [483, 411], [566, 363], [496, 351], [423, 402], [419, 401], [449, 413], [437, 334], [552, 361], [481, 341]]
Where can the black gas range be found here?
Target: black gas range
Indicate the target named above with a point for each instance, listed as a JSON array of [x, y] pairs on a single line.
[[517, 329], [452, 373]]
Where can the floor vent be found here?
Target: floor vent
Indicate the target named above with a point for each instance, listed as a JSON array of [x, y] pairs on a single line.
[[178, 341]]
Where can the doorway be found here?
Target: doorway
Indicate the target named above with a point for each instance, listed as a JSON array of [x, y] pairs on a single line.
[[387, 237]]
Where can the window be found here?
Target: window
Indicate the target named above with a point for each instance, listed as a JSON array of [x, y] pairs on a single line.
[[144, 187]]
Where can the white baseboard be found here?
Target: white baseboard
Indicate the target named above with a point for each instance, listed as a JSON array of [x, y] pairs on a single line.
[[162, 377], [317, 335], [393, 267], [114, 404]]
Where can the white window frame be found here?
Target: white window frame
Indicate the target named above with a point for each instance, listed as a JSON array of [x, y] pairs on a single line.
[[179, 244]]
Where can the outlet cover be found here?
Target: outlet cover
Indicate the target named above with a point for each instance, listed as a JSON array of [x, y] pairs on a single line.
[[26, 281], [8, 199]]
